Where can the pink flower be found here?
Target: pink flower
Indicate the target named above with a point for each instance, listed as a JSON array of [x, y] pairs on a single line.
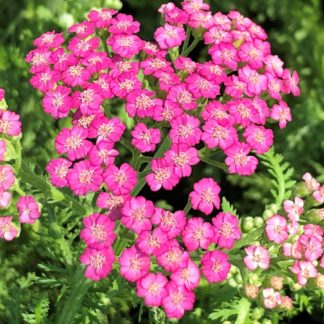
[[28, 210], [215, 110], [304, 270], [145, 139], [9, 123], [227, 230], [217, 35], [224, 54], [243, 111], [256, 256], [188, 276], [8, 230], [169, 111], [2, 94], [291, 82], [99, 262], [169, 36], [219, 133], [274, 65], [173, 256], [125, 45], [98, 231], [185, 64], [83, 29], [170, 223], [250, 53], [318, 195], [294, 208], [152, 287], [105, 129], [194, 6], [258, 138], [83, 47], [45, 80], [162, 175], [123, 24], [7, 177], [103, 153], [84, 178], [124, 85], [49, 40], [101, 18], [183, 157], [197, 233], [152, 242], [276, 229], [122, 180], [201, 87], [215, 266], [76, 75], [5, 199], [178, 300], [281, 113], [133, 264], [58, 170], [271, 298], [136, 214], [57, 102], [181, 95], [238, 160], [39, 59], [205, 195], [107, 200], [88, 101], [73, 142]]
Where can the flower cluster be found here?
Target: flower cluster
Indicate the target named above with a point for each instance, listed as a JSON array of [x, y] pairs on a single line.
[[27, 208], [296, 238], [178, 113]]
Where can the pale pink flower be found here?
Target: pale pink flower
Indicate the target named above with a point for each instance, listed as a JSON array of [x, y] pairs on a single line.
[[294, 208], [215, 266], [28, 209], [205, 195], [10, 123], [256, 257], [276, 229], [8, 230], [7, 177], [5, 199], [304, 270], [271, 298]]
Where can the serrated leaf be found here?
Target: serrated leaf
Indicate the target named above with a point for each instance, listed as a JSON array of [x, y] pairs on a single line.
[[250, 237], [227, 207]]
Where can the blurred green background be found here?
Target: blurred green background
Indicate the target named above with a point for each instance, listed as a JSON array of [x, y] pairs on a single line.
[[296, 32]]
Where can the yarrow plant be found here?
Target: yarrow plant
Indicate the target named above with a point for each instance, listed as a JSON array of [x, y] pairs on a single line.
[[116, 92], [16, 207]]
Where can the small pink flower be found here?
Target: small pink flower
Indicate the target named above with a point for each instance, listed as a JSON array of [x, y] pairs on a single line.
[[133, 264], [227, 230], [152, 287], [10, 124], [238, 160], [73, 142], [28, 209], [123, 24], [49, 40], [310, 182], [182, 96], [122, 180], [58, 170], [84, 178], [205, 195], [7, 177], [145, 139], [259, 138], [83, 47], [169, 36], [109, 201], [201, 87], [152, 242], [88, 101], [5, 199], [178, 300], [281, 113], [286, 302], [304, 270], [136, 214], [255, 83], [276, 229], [98, 231], [125, 45], [99, 262], [256, 256], [188, 276], [57, 102], [291, 82], [162, 175], [83, 29], [294, 208], [8, 230], [224, 54], [215, 266], [76, 75], [197, 233], [45, 80], [103, 153], [170, 223], [183, 157], [2, 94], [271, 298], [318, 195], [101, 18]]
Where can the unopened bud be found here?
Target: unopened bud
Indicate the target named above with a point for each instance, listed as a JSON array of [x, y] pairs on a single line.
[[251, 291], [276, 282]]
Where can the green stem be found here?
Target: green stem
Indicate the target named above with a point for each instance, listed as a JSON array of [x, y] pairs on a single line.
[[187, 207], [141, 182], [77, 291], [214, 163], [186, 42], [191, 47], [128, 146]]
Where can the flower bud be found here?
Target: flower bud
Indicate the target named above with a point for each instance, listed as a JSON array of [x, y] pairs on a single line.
[[248, 224], [315, 215], [267, 214], [320, 281], [232, 282], [286, 302], [251, 291], [276, 282], [301, 190], [258, 221]]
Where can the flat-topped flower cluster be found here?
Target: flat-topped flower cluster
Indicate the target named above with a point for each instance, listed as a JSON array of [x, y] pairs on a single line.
[[183, 112], [26, 207]]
